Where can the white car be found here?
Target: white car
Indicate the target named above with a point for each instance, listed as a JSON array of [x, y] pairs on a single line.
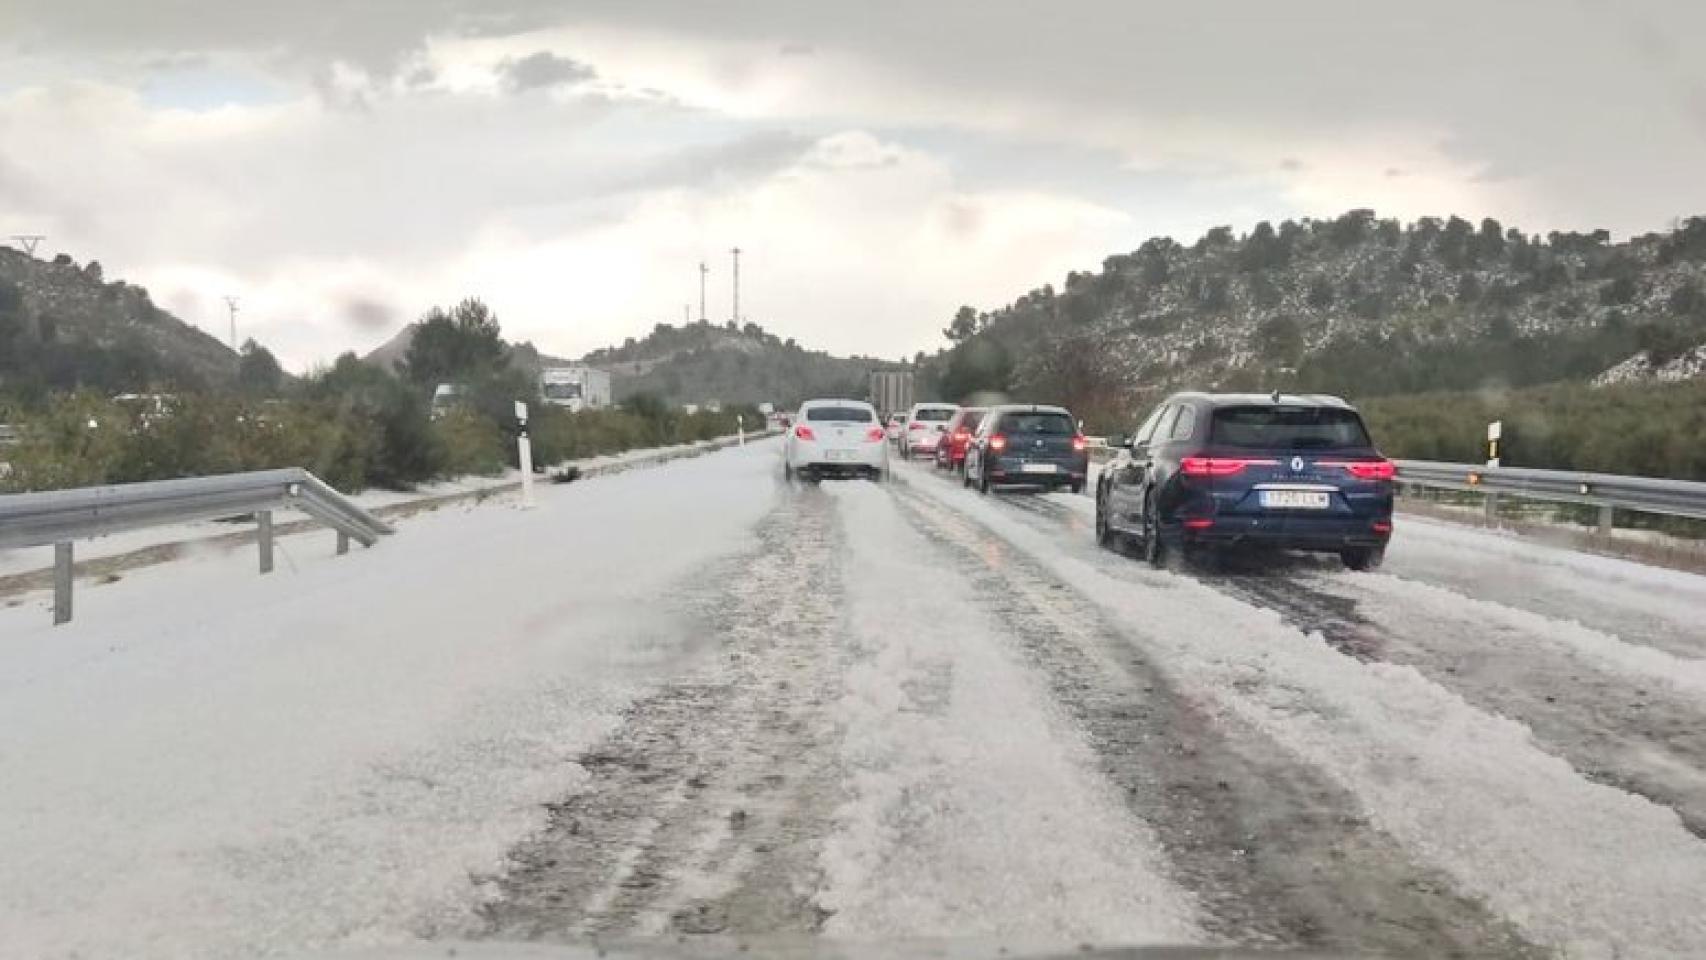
[[835, 438], [926, 425]]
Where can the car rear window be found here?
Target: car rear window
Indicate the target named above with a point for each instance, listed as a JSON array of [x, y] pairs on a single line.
[[840, 414], [935, 414], [1312, 428], [1038, 424]]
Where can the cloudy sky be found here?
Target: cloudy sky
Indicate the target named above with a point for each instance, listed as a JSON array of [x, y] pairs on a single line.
[[341, 165]]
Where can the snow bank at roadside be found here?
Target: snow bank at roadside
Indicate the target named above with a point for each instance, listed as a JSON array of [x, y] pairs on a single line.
[[1589, 869], [208, 763], [975, 810]]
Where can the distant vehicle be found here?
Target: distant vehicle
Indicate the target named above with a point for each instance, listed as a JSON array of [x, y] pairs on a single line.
[[835, 438], [577, 388], [925, 426], [1030, 444], [767, 408], [897, 427], [447, 397], [891, 391], [1298, 472], [951, 452]]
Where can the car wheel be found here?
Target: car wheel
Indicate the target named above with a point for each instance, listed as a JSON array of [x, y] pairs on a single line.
[[1105, 535], [983, 482], [1077, 486], [787, 472], [965, 476], [1154, 551], [1363, 558]]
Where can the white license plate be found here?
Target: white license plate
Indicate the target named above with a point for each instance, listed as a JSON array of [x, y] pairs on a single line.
[[1039, 468], [1296, 499], [838, 456]]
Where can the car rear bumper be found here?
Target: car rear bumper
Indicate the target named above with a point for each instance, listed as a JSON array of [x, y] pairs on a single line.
[[1329, 534], [1005, 470]]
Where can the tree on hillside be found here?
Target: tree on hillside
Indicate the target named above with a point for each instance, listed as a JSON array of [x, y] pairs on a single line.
[[962, 326], [258, 371], [458, 346]]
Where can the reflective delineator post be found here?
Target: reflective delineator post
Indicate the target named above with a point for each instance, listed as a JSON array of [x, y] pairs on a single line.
[[740, 428], [61, 583], [524, 448]]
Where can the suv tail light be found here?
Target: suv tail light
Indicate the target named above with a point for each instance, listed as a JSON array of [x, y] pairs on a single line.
[[1079, 444], [1220, 466], [1365, 469], [961, 436], [915, 426], [997, 442], [804, 432], [875, 435]]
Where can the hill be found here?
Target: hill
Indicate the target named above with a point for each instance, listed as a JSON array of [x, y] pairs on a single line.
[[64, 327], [702, 361], [1355, 305], [523, 356]]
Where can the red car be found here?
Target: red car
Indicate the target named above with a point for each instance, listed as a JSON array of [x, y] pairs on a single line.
[[951, 452]]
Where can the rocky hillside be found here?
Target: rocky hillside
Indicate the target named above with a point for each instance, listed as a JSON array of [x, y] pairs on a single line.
[[64, 326], [699, 362], [1355, 305]]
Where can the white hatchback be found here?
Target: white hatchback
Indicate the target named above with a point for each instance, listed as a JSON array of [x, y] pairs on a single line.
[[925, 427], [835, 438]]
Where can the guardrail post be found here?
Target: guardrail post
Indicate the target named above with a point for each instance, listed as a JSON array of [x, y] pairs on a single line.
[[263, 523], [1606, 515], [343, 543], [61, 583], [1492, 505]]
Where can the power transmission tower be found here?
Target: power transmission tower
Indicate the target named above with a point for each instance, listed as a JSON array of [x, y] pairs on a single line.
[[231, 308], [736, 252], [703, 272], [29, 241]]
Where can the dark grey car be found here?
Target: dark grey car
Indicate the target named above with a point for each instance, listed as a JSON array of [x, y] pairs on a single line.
[[1030, 445]]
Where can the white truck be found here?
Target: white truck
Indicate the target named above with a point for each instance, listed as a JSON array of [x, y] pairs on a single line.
[[577, 388]]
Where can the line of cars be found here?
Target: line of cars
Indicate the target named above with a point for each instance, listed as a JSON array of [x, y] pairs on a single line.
[[1202, 472]]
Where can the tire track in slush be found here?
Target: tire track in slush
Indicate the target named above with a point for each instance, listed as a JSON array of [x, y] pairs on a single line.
[[1274, 850], [1641, 737], [706, 808]]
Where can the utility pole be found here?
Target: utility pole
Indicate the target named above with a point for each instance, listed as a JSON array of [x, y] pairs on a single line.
[[703, 272], [231, 308], [736, 252], [28, 241]]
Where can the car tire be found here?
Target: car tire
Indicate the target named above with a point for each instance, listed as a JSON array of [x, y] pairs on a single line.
[[983, 482], [1106, 538], [787, 472], [1154, 548], [1363, 558], [1076, 486], [965, 477]]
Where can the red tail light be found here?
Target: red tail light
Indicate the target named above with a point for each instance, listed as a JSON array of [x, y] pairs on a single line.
[[1382, 526], [875, 434], [1220, 466], [1198, 523], [961, 436], [804, 432], [1365, 469], [915, 426], [998, 443], [1079, 444]]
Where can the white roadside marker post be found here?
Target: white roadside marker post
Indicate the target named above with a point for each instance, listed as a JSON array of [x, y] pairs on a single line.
[[525, 450], [740, 428]]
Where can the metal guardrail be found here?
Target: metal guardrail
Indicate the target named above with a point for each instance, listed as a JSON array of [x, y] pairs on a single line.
[[1608, 491], [61, 517]]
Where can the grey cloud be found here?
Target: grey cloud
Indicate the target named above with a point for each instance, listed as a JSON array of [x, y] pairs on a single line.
[[366, 315], [543, 70]]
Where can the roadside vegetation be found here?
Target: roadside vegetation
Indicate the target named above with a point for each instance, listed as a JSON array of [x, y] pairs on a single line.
[[354, 424]]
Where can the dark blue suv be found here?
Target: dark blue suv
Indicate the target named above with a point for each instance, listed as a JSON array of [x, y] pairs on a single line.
[[1297, 472], [1032, 444]]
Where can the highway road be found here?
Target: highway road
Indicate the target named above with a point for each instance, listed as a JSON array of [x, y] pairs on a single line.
[[695, 699]]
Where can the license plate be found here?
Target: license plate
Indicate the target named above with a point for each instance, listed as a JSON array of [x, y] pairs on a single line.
[[1039, 468], [1296, 499], [837, 456]]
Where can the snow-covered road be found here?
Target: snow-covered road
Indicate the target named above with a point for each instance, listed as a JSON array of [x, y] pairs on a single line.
[[694, 699]]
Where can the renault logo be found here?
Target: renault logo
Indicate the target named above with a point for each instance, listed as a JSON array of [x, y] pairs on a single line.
[[1296, 464]]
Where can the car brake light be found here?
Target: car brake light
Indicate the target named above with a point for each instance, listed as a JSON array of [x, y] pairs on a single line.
[[1365, 469], [874, 434], [1079, 444], [915, 426], [998, 443], [1219, 466], [962, 435], [1198, 523], [804, 432], [1382, 526]]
